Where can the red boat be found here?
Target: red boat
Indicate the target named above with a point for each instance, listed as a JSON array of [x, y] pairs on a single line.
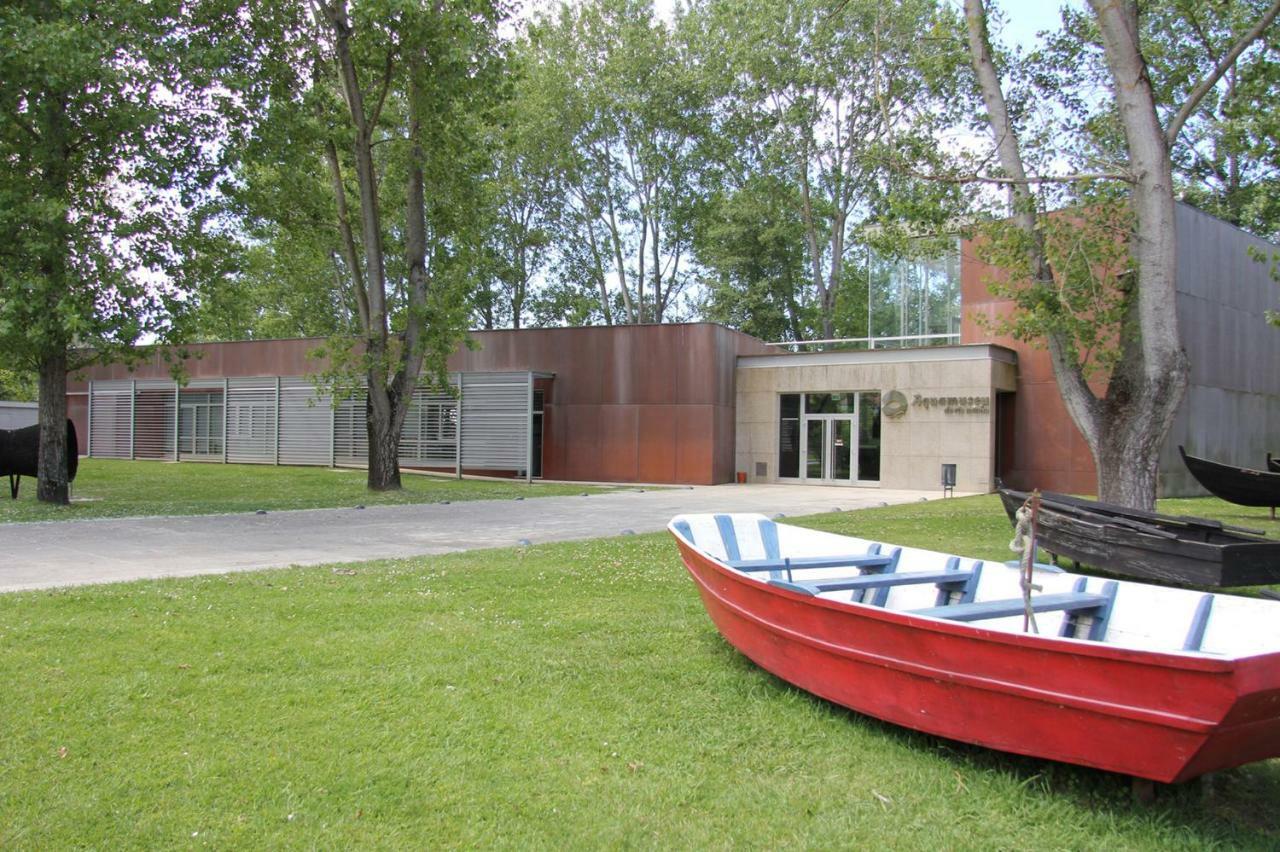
[[1157, 683]]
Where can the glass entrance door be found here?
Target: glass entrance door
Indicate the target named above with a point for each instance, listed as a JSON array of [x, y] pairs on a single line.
[[830, 438], [829, 450], [840, 433], [815, 466]]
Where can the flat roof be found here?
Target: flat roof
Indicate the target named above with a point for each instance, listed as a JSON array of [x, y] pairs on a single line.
[[962, 352]]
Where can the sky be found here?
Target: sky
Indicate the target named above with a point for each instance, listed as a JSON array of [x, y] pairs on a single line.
[[1028, 17]]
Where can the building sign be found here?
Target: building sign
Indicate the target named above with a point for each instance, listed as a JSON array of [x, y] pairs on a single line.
[[895, 404], [954, 404]]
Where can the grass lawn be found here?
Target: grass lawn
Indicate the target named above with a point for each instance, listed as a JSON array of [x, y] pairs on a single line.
[[115, 488], [560, 696]]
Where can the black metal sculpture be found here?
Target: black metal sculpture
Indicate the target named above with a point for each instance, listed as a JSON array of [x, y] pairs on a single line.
[[20, 454]]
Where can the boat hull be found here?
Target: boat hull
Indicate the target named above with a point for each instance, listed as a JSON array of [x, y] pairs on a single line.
[[1159, 716], [1240, 485], [1210, 558]]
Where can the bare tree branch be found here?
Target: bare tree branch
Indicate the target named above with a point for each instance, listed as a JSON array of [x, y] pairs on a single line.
[[975, 14], [351, 255], [1078, 397], [1206, 85], [1027, 180], [387, 70]]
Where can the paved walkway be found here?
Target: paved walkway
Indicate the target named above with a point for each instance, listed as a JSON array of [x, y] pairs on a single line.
[[67, 553]]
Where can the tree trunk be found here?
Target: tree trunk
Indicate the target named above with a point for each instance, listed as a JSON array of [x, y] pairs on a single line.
[[1125, 429], [1160, 379], [51, 483], [1127, 457], [815, 259], [384, 460], [384, 442]]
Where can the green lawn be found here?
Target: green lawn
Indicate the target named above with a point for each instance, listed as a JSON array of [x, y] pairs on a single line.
[[561, 696], [113, 488]]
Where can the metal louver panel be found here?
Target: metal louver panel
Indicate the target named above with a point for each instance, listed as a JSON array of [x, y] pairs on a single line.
[[306, 423], [350, 433], [495, 420], [251, 421], [154, 412], [429, 436], [288, 420], [202, 420], [111, 419]]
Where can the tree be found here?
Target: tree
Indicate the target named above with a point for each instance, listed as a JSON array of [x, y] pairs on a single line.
[[106, 129], [281, 286], [751, 241], [524, 196], [386, 103], [1124, 427], [18, 385], [1226, 158], [631, 113], [818, 96]]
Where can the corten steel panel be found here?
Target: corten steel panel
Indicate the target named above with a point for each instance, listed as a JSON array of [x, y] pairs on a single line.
[[1222, 293], [656, 369], [619, 447], [78, 412], [657, 443], [581, 441], [648, 364], [1048, 450], [621, 371], [1056, 457], [554, 459], [216, 361], [696, 451]]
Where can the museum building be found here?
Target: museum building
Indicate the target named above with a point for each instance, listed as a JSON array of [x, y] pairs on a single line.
[[928, 394]]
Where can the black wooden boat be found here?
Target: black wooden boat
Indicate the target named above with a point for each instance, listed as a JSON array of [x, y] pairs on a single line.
[[1243, 486], [1164, 548], [20, 454]]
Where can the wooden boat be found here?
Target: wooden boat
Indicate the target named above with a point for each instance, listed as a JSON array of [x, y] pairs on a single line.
[[1243, 486], [1158, 683], [1150, 546]]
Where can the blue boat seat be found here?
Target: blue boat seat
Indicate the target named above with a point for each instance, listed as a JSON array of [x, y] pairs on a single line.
[[869, 561], [876, 581], [1199, 621], [774, 562], [1075, 604]]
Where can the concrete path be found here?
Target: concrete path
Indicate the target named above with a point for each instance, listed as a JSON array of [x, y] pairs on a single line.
[[66, 553]]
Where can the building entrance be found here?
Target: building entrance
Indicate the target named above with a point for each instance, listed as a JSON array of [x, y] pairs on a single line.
[[829, 450], [830, 438]]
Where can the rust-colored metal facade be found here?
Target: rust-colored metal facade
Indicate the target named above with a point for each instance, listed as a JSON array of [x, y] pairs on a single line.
[[644, 403], [1232, 409], [647, 403], [1047, 450]]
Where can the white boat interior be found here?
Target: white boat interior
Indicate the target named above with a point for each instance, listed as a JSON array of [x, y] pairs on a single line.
[[864, 572]]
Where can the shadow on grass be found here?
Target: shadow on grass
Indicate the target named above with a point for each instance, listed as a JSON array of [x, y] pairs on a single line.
[[1213, 810]]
